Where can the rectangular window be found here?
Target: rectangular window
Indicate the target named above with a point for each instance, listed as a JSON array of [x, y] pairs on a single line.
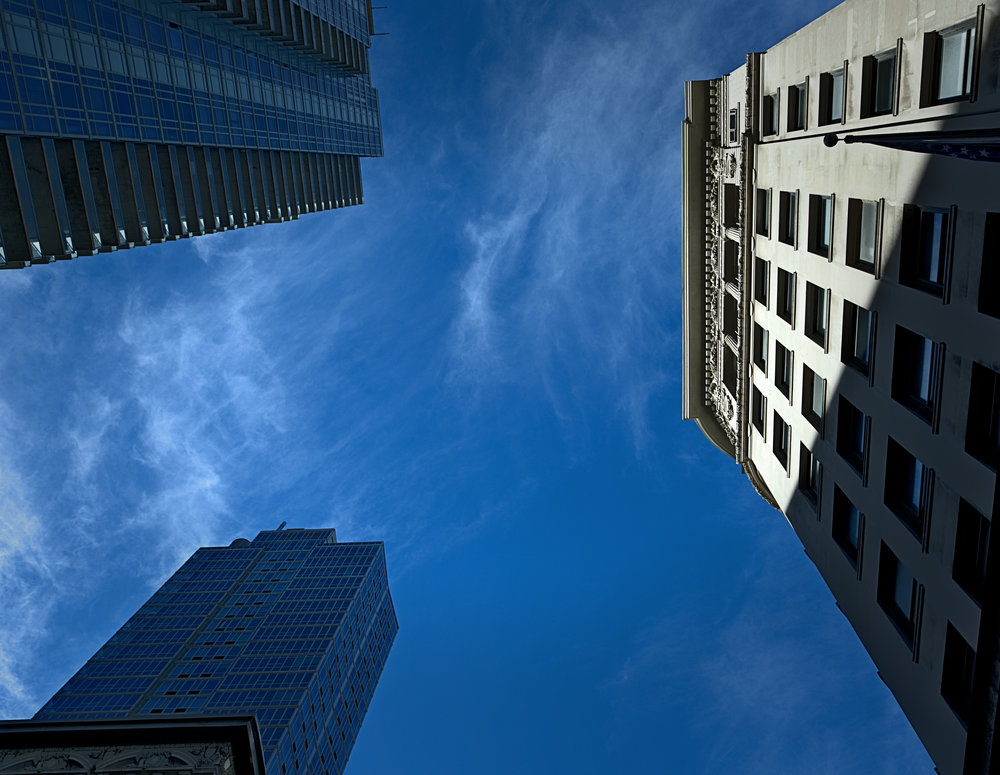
[[813, 398], [831, 97], [783, 368], [862, 234], [852, 435], [769, 115], [971, 544], [810, 476], [859, 338], [820, 224], [908, 487], [958, 673], [761, 280], [949, 64], [788, 202], [758, 410], [764, 211], [989, 278], [925, 253], [760, 347], [798, 104], [734, 126], [898, 594], [847, 526], [917, 364], [817, 313], [786, 297], [982, 433], [878, 84], [781, 441]]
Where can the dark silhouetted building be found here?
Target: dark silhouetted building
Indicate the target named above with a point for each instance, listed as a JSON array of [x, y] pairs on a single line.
[[127, 122]]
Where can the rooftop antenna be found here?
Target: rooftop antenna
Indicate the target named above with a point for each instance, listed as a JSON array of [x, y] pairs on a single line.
[[282, 525]]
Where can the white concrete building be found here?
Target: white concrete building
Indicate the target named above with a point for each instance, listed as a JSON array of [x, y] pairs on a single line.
[[842, 330]]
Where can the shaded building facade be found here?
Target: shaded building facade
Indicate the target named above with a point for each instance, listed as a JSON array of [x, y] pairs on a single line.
[[292, 629], [842, 330], [126, 122]]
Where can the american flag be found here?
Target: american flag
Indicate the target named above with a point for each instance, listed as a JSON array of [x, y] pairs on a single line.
[[980, 145]]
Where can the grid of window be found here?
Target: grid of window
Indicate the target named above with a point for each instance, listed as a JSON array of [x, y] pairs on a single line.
[[110, 70]]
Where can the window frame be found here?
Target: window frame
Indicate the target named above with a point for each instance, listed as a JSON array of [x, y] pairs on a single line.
[[870, 92], [902, 469], [821, 209], [761, 346], [849, 338], [797, 112], [816, 329], [769, 113], [785, 303], [840, 529], [809, 377], [788, 217], [810, 477], [758, 411], [907, 623], [984, 399], [762, 280], [827, 96], [855, 232], [958, 674], [932, 61], [781, 442], [762, 213], [989, 271], [860, 426], [916, 250], [784, 369], [906, 373], [971, 556]]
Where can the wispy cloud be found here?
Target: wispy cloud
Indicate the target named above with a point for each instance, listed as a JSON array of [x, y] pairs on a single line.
[[568, 278]]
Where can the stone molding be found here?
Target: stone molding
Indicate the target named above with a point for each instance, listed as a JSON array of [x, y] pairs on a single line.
[[175, 759]]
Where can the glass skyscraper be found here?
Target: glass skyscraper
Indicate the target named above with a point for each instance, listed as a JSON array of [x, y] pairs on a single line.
[[126, 122], [292, 628]]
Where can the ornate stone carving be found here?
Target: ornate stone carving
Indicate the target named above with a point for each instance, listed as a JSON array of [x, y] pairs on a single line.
[[177, 759]]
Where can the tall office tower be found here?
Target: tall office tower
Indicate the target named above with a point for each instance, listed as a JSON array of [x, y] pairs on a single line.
[[126, 122], [291, 628], [842, 329]]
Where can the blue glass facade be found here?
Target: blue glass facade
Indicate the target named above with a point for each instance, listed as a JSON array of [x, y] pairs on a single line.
[[168, 72], [291, 627], [125, 122]]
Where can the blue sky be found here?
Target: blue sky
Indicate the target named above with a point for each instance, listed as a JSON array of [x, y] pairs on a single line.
[[481, 367]]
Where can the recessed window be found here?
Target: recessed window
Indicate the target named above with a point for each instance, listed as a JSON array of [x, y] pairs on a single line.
[[859, 337], [916, 372], [730, 205], [862, 234], [958, 673], [925, 249], [989, 279], [734, 126], [817, 313], [813, 398], [730, 262], [761, 280], [758, 410], [982, 433], [847, 525], [798, 104], [971, 542], [949, 64], [852, 435], [783, 358], [908, 486], [820, 224], [831, 97], [769, 114], [786, 297], [781, 441], [760, 347], [810, 475], [764, 212], [788, 203], [898, 594], [878, 84]]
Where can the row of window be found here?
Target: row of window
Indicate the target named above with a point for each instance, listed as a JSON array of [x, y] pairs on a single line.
[[948, 74], [926, 239]]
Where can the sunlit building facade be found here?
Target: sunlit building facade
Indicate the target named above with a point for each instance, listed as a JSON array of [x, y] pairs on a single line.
[[126, 122], [291, 629], [842, 329]]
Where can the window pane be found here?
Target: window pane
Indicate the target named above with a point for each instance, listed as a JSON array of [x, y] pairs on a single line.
[[934, 229], [954, 51], [861, 334], [836, 96], [902, 592], [884, 75], [869, 211]]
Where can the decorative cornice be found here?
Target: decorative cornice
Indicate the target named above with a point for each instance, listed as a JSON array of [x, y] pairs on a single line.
[[176, 759]]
